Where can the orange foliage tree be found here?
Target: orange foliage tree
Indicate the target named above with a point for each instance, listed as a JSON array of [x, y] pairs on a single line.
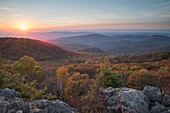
[[140, 79], [78, 85], [164, 81]]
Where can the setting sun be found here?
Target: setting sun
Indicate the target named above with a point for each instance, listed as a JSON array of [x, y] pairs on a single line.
[[23, 27]]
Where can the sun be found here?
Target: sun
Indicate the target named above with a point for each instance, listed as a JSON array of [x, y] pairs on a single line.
[[23, 27]]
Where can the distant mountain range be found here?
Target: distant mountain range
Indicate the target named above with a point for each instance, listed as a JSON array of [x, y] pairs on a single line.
[[90, 43], [51, 35], [115, 44]]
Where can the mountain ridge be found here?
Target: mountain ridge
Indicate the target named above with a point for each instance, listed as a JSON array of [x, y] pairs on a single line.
[[14, 48]]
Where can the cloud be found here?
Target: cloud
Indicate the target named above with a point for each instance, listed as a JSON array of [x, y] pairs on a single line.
[[16, 15], [166, 3], [6, 8]]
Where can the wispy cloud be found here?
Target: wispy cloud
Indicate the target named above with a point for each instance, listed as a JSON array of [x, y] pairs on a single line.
[[6, 8], [17, 15], [162, 4]]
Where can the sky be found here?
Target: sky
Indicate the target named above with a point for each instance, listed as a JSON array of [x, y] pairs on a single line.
[[84, 14]]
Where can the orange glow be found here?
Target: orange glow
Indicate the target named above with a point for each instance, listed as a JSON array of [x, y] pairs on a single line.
[[23, 27]]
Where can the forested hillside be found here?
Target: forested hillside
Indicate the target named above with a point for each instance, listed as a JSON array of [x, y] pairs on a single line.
[[15, 48]]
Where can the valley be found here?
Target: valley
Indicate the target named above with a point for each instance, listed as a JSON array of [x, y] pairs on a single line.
[[117, 44]]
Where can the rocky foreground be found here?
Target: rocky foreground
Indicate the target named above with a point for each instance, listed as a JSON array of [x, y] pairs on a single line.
[[10, 102], [126, 100], [118, 100]]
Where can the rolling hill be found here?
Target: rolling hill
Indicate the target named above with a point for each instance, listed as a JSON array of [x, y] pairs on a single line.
[[15, 48], [139, 49], [87, 39], [110, 44], [116, 44], [98, 38], [92, 50]]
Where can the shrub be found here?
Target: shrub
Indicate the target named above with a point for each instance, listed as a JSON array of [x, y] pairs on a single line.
[[107, 78], [140, 79]]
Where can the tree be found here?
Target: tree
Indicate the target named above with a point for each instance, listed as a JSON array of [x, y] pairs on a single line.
[[94, 100], [78, 86], [27, 89], [21, 79], [62, 77], [27, 66], [113, 80], [140, 79], [107, 78], [3, 74], [1, 61], [164, 81]]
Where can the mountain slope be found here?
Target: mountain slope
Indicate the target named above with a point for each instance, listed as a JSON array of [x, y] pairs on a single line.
[[87, 39], [14, 48], [97, 38], [111, 44], [158, 40], [92, 50], [117, 44], [139, 49]]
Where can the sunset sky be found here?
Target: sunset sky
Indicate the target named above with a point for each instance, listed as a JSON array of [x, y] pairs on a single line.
[[84, 14]]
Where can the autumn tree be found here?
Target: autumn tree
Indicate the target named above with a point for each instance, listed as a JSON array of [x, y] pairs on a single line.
[[78, 85], [94, 100], [140, 79], [27, 89], [1, 61], [164, 81], [62, 77], [18, 79], [27, 66]]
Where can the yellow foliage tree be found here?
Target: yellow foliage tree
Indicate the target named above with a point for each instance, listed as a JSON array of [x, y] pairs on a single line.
[[62, 76], [27, 66]]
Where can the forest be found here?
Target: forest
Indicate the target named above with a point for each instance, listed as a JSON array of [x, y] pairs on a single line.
[[77, 78]]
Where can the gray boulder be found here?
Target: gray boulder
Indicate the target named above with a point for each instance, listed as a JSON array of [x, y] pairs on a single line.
[[3, 107], [46, 106], [166, 100], [9, 94], [126, 100], [133, 101], [158, 108], [112, 99], [10, 102], [154, 94]]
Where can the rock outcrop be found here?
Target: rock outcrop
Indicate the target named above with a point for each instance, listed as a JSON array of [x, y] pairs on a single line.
[[126, 100], [10, 102], [118, 100], [154, 94]]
